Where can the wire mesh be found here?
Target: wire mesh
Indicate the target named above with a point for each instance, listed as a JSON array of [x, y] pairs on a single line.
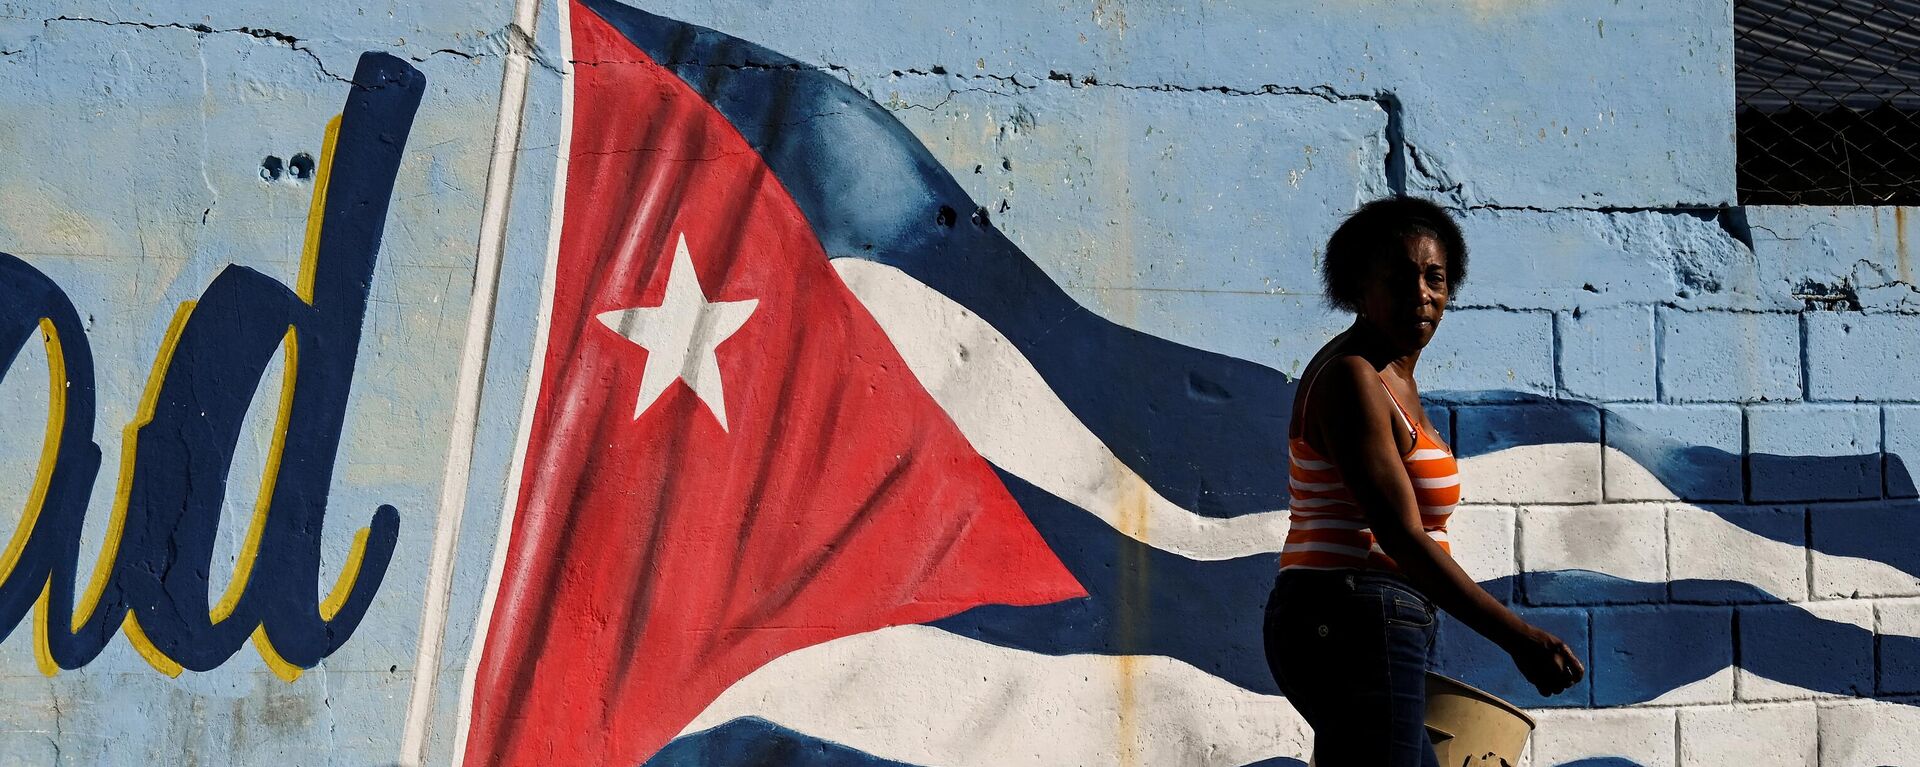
[[1828, 95]]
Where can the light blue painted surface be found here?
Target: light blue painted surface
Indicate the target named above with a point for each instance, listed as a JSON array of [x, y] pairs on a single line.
[[1173, 169], [1729, 356], [1853, 356], [1608, 354]]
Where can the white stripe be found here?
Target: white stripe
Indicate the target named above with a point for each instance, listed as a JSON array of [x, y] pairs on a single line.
[[1566, 472], [1312, 465], [1326, 548], [1438, 535], [1852, 732], [1775, 567], [1315, 503], [1438, 511], [525, 14], [1330, 524], [473, 357], [1427, 454], [1315, 487], [919, 695], [1435, 483], [1013, 418]]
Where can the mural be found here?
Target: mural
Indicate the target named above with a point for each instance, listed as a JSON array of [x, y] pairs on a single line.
[[718, 569], [151, 580], [782, 439]]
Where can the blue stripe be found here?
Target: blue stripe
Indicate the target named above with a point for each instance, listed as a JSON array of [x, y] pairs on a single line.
[[758, 742], [1143, 601]]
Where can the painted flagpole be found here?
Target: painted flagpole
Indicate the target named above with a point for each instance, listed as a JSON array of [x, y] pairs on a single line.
[[480, 313]]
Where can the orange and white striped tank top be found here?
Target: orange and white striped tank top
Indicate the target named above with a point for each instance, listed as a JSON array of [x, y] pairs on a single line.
[[1328, 531]]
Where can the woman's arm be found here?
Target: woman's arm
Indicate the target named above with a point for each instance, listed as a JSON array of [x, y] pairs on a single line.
[[1357, 426]]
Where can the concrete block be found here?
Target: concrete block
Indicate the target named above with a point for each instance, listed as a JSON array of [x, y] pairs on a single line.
[[1813, 452], [1545, 453], [1750, 736], [1897, 634], [1625, 543], [1634, 659], [1737, 554], [1869, 734], [1729, 356], [1900, 439], [1490, 350], [1853, 356], [1816, 649], [1482, 539], [1585, 259], [1665, 452], [1607, 354], [1857, 550], [1462, 654], [1855, 254], [1643, 736]]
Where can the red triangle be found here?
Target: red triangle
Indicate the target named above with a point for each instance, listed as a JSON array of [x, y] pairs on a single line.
[[656, 560]]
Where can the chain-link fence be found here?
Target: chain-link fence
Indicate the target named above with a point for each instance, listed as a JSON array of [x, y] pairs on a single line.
[[1828, 101]]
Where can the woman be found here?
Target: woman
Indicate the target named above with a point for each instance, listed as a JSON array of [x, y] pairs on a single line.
[[1350, 624]]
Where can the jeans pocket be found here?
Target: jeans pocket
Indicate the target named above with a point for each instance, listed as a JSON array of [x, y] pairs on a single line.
[[1402, 611]]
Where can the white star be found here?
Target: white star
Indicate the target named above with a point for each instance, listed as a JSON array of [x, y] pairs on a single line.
[[680, 335]]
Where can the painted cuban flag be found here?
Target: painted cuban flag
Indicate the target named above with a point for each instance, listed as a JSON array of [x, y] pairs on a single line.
[[821, 469]]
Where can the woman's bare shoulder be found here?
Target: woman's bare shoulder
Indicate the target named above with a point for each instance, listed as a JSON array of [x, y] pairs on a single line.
[[1344, 370]]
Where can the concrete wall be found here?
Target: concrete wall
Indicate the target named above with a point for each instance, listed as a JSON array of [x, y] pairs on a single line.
[[1061, 258]]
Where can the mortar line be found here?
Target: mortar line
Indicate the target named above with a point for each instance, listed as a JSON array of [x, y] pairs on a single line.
[[1806, 383], [1659, 355]]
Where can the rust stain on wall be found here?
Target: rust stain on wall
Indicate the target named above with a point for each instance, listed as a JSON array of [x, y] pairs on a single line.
[[1135, 601]]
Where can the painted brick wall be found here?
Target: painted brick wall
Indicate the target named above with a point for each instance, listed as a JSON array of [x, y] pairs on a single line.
[[1687, 426]]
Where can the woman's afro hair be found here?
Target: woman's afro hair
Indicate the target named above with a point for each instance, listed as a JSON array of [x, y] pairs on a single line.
[[1378, 229]]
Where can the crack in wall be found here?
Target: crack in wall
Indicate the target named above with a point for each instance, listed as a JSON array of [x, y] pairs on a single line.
[[1400, 154], [202, 29], [1325, 92], [507, 40], [326, 701], [59, 720]]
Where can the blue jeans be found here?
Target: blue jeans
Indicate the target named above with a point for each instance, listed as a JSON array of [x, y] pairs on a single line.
[[1349, 649]]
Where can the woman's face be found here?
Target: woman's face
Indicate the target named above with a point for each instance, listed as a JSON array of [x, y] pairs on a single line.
[[1408, 293]]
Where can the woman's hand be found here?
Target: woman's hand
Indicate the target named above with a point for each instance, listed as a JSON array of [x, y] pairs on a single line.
[[1546, 661]]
